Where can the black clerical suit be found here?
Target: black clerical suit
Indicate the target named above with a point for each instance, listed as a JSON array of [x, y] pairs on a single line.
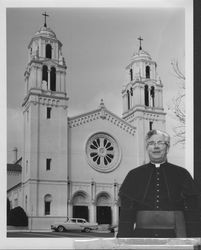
[[166, 188]]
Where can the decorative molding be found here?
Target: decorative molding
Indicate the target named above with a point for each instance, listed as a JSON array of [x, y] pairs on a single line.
[[101, 114], [45, 98], [148, 110]]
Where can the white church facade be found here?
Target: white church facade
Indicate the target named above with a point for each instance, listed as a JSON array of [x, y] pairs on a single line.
[[74, 166]]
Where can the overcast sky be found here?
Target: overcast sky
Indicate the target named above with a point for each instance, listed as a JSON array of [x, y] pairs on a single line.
[[97, 45]]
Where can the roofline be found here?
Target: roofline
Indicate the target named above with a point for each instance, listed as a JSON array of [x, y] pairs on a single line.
[[70, 119], [14, 187]]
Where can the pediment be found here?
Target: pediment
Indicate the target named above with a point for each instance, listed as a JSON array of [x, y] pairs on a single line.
[[104, 114]]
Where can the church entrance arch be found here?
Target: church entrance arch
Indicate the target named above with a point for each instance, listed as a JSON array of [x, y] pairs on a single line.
[[80, 205], [103, 208]]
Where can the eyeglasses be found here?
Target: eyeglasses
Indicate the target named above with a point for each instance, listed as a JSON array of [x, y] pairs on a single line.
[[159, 143]]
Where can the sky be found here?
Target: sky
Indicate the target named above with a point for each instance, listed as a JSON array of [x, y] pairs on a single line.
[[98, 44]]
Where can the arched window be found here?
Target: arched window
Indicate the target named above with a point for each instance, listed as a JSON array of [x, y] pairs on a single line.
[[45, 73], [131, 74], [53, 79], [47, 204], [146, 95], [147, 72], [128, 97], [48, 51], [152, 93]]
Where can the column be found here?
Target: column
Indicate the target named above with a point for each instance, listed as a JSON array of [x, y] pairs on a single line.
[[58, 85], [65, 82], [124, 102], [156, 98], [115, 213], [115, 210], [62, 81], [48, 81], [70, 209], [39, 77], [69, 202], [161, 98], [92, 212], [92, 209], [141, 101]]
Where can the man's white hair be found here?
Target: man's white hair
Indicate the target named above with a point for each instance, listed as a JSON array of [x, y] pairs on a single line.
[[158, 132]]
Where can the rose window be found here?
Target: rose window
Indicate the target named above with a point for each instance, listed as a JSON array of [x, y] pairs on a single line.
[[103, 152]]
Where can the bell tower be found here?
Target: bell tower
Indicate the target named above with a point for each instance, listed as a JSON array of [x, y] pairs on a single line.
[[143, 97], [45, 167]]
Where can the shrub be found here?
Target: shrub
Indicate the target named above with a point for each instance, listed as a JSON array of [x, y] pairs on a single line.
[[8, 206], [17, 217]]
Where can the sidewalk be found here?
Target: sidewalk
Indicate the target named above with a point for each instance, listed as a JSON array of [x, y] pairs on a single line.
[[24, 229]]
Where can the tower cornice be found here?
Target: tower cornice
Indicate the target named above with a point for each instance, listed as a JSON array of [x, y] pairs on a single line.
[[40, 94]]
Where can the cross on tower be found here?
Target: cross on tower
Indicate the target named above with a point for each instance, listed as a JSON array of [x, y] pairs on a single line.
[[140, 39], [45, 15]]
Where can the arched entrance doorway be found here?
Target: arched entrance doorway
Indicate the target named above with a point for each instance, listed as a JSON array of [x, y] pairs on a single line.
[[103, 209], [80, 205]]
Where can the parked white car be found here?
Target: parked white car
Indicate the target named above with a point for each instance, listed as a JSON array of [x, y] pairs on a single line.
[[74, 224]]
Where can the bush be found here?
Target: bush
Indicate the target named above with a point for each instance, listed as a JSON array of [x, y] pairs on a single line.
[[8, 206], [17, 217]]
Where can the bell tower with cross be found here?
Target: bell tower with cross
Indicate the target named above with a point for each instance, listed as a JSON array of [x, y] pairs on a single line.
[[45, 110], [142, 97]]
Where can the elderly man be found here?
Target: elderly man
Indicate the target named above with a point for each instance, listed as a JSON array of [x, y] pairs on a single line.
[[159, 199]]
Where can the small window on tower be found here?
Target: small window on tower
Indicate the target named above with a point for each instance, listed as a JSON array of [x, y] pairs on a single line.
[[150, 125], [48, 164], [49, 112]]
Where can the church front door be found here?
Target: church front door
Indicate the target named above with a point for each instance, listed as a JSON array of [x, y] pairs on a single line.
[[104, 215], [81, 212]]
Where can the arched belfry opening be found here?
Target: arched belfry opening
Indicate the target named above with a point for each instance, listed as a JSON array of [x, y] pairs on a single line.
[[131, 74], [80, 203], [128, 98], [53, 79], [48, 51], [146, 95], [45, 73], [103, 208], [147, 72]]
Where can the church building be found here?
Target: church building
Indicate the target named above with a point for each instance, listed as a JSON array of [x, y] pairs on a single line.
[[74, 166]]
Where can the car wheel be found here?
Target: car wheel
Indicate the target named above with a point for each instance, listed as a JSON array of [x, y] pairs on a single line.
[[87, 230], [60, 228]]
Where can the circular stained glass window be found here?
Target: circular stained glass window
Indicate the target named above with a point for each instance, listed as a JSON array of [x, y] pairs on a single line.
[[103, 152]]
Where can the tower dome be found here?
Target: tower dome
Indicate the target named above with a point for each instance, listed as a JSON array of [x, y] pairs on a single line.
[[45, 32], [141, 54]]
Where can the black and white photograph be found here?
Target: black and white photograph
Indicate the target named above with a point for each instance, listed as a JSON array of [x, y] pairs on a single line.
[[99, 134]]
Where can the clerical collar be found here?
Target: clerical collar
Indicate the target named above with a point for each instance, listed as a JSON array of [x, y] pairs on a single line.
[[157, 165]]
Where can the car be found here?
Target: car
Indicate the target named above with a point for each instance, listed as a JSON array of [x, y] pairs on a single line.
[[74, 224]]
